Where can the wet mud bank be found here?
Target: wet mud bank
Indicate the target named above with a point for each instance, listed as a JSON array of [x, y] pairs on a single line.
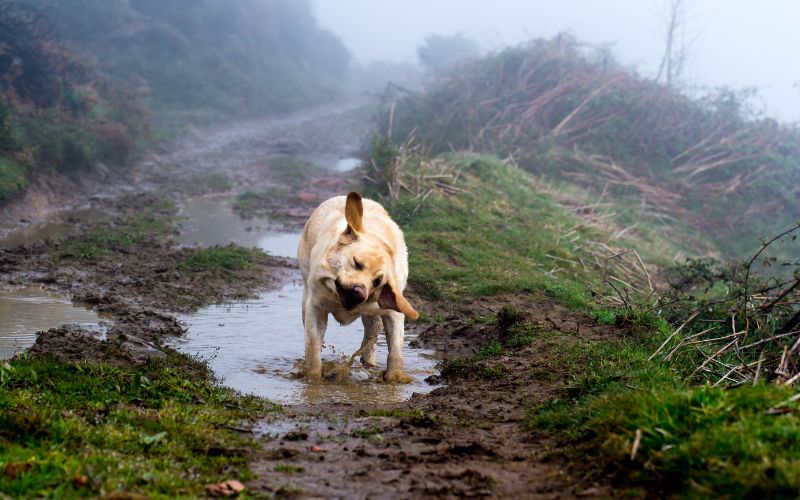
[[467, 438], [127, 267]]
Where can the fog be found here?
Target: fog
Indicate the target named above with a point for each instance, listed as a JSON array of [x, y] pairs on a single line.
[[737, 43]]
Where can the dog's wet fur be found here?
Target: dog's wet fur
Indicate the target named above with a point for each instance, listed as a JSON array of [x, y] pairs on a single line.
[[354, 263]]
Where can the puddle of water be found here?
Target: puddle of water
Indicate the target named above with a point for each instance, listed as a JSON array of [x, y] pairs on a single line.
[[255, 346], [211, 221], [26, 311], [337, 164], [56, 228]]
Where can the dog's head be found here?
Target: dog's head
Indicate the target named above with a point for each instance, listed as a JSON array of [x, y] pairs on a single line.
[[363, 265]]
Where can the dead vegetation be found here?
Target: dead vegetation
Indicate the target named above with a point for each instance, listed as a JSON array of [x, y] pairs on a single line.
[[559, 110], [737, 325]]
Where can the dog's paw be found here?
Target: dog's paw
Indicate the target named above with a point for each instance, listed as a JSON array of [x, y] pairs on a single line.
[[397, 377]]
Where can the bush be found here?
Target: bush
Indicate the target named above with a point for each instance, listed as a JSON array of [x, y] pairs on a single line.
[[12, 180], [232, 58]]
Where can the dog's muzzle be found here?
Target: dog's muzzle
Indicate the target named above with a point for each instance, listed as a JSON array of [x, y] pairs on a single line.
[[351, 296]]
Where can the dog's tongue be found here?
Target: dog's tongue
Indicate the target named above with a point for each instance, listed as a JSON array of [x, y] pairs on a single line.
[[360, 292]]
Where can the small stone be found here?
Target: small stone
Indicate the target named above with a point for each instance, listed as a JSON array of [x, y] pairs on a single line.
[[80, 481]]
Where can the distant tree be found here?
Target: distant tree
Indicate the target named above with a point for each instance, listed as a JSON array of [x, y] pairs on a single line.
[[440, 53], [673, 62]]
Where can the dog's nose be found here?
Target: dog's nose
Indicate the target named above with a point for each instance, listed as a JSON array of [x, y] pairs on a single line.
[[352, 296]]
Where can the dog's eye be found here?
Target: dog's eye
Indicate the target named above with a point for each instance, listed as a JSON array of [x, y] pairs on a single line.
[[377, 281], [358, 265]]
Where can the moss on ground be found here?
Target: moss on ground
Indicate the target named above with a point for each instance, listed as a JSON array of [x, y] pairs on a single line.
[[77, 430], [221, 260]]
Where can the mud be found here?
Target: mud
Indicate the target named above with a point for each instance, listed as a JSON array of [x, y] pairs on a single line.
[[146, 274], [256, 346], [463, 440], [26, 311]]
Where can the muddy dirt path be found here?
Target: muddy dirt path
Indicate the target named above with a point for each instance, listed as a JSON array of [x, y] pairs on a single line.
[[443, 436]]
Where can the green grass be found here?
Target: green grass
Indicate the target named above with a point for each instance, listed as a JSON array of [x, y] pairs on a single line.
[[221, 260], [367, 433], [164, 428], [501, 230], [208, 183], [696, 440], [492, 350], [473, 367], [288, 468]]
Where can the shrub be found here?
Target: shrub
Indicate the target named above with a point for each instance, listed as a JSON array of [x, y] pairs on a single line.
[[12, 180]]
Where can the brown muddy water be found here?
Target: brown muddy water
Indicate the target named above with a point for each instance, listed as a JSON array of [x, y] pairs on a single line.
[[26, 311], [210, 221], [256, 346], [55, 227]]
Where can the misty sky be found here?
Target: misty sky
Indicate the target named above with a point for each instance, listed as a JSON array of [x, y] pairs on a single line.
[[741, 43]]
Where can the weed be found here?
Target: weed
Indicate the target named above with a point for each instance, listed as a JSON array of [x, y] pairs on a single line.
[[471, 368], [105, 237], [492, 350], [220, 260], [520, 335], [289, 468]]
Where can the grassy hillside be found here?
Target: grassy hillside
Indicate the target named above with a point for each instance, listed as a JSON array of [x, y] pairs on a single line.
[[480, 227], [78, 79], [58, 113], [232, 58], [561, 111]]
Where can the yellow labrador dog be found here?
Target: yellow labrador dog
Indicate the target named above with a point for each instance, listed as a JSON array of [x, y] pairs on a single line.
[[354, 263]]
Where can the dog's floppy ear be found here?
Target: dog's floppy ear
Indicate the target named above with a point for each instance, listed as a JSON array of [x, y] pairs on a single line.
[[391, 298], [354, 213]]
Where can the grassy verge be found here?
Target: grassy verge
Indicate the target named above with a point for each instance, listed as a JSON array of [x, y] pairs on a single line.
[[77, 430], [499, 235], [695, 440]]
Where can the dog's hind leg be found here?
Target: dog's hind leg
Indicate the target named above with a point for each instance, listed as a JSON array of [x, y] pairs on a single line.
[[372, 327], [394, 326]]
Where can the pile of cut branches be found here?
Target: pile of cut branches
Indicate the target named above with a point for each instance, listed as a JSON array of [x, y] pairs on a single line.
[[560, 110]]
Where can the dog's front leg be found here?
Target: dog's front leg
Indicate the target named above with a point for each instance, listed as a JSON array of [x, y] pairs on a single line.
[[315, 322], [394, 326]]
